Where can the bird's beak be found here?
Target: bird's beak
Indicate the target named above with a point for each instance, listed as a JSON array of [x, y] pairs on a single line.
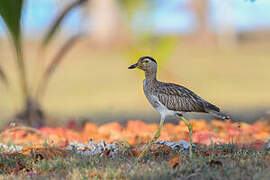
[[133, 66]]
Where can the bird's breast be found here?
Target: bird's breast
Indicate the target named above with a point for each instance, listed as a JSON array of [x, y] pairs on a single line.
[[150, 96]]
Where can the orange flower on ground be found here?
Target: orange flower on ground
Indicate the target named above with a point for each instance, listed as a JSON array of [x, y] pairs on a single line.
[[138, 132]]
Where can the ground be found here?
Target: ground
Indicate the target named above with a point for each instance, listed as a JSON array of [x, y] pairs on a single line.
[[214, 162], [223, 150]]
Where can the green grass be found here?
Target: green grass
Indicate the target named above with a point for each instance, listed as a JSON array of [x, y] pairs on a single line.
[[229, 163]]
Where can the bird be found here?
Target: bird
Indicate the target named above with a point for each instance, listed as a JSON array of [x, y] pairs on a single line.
[[171, 99]]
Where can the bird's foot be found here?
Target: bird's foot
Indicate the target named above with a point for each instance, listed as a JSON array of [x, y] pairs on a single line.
[[146, 150]]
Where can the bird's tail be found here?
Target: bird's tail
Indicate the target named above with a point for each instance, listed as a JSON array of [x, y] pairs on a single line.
[[219, 115], [215, 111]]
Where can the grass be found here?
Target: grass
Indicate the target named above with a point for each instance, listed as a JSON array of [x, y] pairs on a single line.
[[215, 162]]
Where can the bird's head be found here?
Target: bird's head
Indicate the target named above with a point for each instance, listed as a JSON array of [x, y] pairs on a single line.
[[145, 63]]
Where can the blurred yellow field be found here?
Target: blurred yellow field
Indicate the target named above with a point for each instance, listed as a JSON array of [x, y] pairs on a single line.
[[91, 80]]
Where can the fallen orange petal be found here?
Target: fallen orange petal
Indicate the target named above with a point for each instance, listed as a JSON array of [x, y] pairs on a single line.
[[174, 162]]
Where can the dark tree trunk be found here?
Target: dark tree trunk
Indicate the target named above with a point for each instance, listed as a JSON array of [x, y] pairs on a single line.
[[32, 114]]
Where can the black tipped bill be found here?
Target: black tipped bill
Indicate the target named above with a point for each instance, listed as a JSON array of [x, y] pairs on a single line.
[[133, 66]]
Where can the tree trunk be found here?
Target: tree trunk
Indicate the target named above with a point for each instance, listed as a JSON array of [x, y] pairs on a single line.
[[105, 21], [203, 33], [226, 31], [32, 114]]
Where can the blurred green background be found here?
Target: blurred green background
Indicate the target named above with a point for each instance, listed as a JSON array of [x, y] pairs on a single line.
[[224, 59]]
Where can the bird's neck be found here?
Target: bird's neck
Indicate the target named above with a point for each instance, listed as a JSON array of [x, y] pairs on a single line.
[[150, 76]]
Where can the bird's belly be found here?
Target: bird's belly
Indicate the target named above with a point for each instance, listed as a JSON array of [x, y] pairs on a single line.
[[154, 101], [165, 111]]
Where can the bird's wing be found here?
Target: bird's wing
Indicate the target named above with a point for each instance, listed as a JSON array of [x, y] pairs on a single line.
[[179, 98]]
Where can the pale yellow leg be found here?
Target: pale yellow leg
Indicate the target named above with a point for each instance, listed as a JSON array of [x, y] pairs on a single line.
[[190, 134], [156, 136]]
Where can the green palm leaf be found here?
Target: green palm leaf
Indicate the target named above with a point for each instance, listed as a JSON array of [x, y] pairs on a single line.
[[10, 11]]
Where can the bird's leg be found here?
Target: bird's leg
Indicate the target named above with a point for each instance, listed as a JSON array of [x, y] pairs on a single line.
[[156, 136], [190, 133]]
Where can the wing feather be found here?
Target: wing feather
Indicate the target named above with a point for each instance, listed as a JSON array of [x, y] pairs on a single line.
[[179, 98]]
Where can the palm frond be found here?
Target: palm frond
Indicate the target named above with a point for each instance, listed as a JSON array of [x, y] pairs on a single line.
[[10, 11], [3, 77], [55, 63], [56, 24]]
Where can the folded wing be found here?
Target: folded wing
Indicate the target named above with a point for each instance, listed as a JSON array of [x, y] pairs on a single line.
[[179, 98]]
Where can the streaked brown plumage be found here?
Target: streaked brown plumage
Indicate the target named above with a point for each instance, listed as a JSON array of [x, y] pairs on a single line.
[[179, 98]]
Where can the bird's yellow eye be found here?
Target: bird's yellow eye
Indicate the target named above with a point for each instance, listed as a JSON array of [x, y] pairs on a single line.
[[146, 61]]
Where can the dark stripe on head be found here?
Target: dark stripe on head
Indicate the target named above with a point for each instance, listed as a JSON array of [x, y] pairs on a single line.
[[148, 57]]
